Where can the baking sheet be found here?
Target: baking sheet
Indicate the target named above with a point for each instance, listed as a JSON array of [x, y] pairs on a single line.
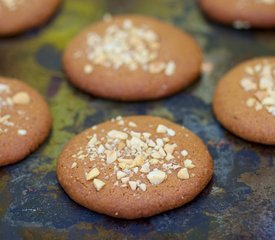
[[237, 204]]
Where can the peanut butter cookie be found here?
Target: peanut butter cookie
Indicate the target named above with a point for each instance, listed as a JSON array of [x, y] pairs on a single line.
[[134, 167]]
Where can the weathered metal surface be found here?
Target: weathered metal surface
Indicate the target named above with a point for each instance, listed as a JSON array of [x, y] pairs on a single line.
[[237, 204]]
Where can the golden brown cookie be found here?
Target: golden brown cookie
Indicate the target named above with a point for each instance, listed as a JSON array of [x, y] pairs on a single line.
[[244, 100], [25, 120], [132, 57], [134, 167], [17, 16], [241, 13]]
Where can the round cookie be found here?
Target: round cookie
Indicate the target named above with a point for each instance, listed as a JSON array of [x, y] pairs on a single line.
[[17, 16], [131, 58], [241, 13], [134, 167], [244, 100], [25, 120]]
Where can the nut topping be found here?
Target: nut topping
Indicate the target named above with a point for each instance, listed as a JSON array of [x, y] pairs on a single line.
[[117, 134], [92, 174], [98, 184], [183, 174], [259, 80], [126, 45], [21, 98], [156, 177], [129, 156]]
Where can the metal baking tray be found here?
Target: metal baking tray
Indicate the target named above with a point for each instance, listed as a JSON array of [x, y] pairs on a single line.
[[239, 201]]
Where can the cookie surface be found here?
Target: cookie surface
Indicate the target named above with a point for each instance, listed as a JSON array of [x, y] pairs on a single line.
[[241, 13], [134, 167], [17, 16], [132, 57], [244, 100], [25, 120]]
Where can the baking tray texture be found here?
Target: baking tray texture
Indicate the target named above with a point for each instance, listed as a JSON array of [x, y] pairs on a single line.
[[237, 204]]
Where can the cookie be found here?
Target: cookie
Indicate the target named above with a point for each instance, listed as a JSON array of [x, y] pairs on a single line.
[[241, 13], [25, 120], [132, 57], [17, 16], [134, 167], [244, 100]]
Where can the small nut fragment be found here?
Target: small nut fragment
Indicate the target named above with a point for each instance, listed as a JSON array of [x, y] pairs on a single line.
[[151, 143], [137, 142], [100, 149], [125, 180], [132, 124], [250, 102], [156, 67], [248, 84], [169, 157], [111, 156], [126, 161], [9, 101], [159, 142], [121, 145], [117, 134], [249, 70], [171, 132], [268, 101], [169, 148], [98, 184], [4, 88], [164, 129], [148, 151], [156, 155], [154, 161], [74, 165], [21, 98], [145, 168], [133, 185], [88, 69], [189, 164], [156, 176], [92, 141], [162, 152], [135, 169], [120, 174], [135, 134], [184, 153], [183, 174], [170, 68], [147, 135], [265, 83], [161, 128], [127, 24], [122, 165], [139, 160], [22, 132], [121, 122], [116, 183], [92, 174], [5, 118], [142, 187]]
